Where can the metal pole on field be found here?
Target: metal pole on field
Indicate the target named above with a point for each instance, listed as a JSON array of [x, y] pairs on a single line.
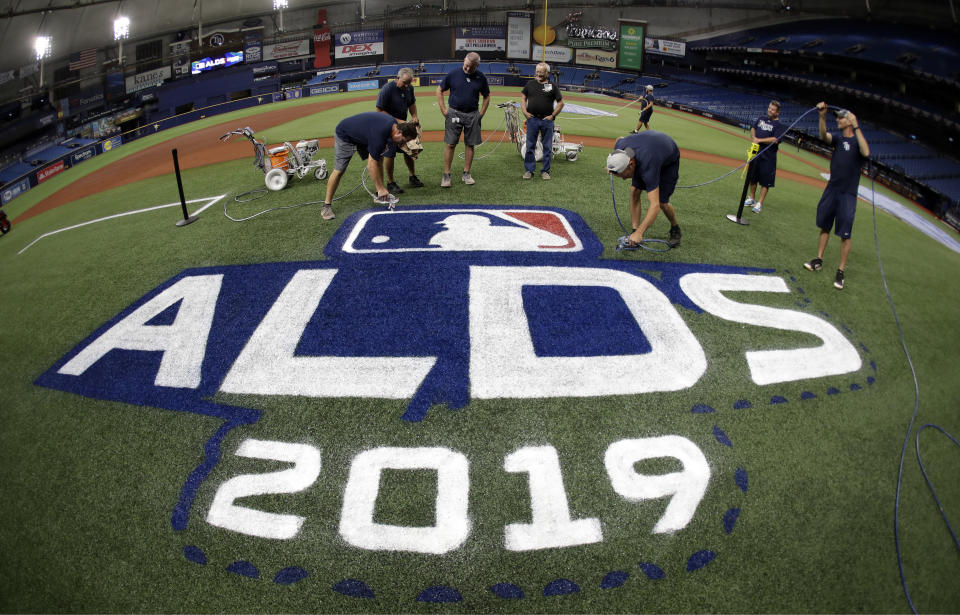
[[739, 219], [187, 218]]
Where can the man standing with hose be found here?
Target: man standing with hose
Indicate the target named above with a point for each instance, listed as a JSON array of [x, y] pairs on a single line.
[[646, 109], [838, 204], [766, 132]]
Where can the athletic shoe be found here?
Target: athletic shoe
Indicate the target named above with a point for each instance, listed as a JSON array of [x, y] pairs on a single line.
[[394, 188], [528, 175], [838, 281], [415, 182], [544, 176], [326, 212], [748, 202], [815, 264], [758, 208], [467, 179], [445, 182], [675, 234]]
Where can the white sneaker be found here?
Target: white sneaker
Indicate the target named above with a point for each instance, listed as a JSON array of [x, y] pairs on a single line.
[[748, 202], [468, 179], [758, 208]]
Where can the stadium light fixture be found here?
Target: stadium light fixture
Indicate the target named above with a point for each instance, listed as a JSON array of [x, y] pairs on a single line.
[[43, 47], [279, 5], [121, 31], [121, 28]]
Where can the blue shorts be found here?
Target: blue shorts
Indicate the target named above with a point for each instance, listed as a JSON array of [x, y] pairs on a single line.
[[763, 172], [837, 209], [669, 175]]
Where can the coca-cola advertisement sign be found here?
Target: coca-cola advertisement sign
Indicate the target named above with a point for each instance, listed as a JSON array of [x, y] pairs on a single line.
[[321, 48]]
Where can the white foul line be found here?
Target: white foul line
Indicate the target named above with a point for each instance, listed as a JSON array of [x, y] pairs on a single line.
[[213, 200]]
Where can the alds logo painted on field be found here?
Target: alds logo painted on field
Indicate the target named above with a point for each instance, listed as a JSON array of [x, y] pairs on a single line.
[[439, 306]]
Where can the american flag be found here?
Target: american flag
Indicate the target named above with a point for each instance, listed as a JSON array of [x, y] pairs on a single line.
[[83, 59]]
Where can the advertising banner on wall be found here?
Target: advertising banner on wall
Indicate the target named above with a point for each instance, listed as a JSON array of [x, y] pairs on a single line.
[[321, 47], [49, 171], [368, 84], [359, 44], [11, 191], [252, 47], [597, 57], [664, 47], [180, 57], [319, 90], [591, 37], [229, 58], [555, 54], [142, 81], [89, 98], [518, 34], [291, 49], [483, 38], [631, 44], [322, 38]]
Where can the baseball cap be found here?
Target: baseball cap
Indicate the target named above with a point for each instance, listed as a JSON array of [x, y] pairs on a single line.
[[649, 88], [841, 112], [618, 160]]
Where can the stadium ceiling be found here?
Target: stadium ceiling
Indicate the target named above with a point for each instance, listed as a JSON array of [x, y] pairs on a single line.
[[75, 25]]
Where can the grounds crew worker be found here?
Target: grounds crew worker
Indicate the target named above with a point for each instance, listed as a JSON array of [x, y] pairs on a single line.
[[368, 134]]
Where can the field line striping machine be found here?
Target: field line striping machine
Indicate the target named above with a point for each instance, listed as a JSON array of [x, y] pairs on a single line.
[[281, 162], [518, 134]]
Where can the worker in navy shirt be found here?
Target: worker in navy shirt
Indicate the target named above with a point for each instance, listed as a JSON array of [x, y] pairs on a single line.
[[838, 204], [766, 132], [395, 99], [463, 114], [368, 134], [652, 160], [646, 109], [537, 100]]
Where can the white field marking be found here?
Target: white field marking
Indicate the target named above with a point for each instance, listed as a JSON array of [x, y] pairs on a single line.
[[212, 200]]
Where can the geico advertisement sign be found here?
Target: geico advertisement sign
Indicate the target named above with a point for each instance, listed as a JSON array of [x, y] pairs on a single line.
[[594, 57]]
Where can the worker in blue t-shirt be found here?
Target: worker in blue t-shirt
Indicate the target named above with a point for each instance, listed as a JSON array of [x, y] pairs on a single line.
[[652, 160], [463, 113], [368, 134], [766, 132], [646, 109], [838, 205], [396, 98]]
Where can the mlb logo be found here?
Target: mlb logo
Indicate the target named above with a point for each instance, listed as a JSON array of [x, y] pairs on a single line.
[[462, 230]]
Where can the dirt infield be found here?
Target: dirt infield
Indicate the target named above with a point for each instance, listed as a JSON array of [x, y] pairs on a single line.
[[202, 147]]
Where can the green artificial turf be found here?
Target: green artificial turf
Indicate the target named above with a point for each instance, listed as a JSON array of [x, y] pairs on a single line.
[[89, 485]]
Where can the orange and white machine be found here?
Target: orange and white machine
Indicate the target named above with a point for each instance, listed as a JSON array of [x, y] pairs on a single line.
[[281, 162]]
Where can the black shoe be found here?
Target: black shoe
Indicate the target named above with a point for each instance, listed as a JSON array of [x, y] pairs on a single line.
[[838, 281], [393, 188], [815, 264], [415, 182], [675, 234]]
